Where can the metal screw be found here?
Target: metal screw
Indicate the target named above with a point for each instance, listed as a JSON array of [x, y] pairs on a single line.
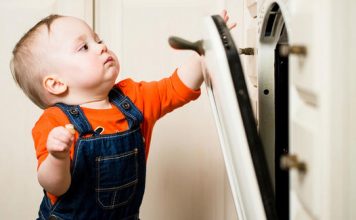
[[286, 50], [247, 51], [290, 161]]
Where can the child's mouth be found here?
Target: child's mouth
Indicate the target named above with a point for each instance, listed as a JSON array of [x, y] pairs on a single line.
[[109, 59]]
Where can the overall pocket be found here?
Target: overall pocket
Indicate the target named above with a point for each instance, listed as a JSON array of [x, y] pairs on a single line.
[[117, 177]]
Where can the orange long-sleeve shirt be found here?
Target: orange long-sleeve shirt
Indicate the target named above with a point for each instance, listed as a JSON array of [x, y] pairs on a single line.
[[153, 99]]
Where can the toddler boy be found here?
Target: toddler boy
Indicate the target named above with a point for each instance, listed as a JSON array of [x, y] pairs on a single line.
[[93, 137]]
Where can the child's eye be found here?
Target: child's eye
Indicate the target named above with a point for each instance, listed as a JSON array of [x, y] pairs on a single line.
[[84, 47], [100, 41]]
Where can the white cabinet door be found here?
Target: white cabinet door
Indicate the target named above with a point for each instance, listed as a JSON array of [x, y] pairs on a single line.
[[20, 191]]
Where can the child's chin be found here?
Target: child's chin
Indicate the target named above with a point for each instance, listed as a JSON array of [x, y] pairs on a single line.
[[112, 73]]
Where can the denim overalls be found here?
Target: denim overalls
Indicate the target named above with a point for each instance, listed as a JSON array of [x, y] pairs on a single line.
[[108, 171]]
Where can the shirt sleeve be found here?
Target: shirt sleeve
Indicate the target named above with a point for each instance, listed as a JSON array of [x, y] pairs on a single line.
[[157, 98], [50, 119], [174, 93]]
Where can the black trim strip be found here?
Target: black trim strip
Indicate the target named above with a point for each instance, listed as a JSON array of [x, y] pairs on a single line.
[[281, 101]]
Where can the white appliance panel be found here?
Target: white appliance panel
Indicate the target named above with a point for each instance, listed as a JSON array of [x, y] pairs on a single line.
[[243, 152]]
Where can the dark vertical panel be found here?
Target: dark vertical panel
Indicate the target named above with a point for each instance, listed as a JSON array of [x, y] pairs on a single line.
[[281, 134]]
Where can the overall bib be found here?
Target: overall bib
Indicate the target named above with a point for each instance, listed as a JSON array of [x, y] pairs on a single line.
[[108, 171]]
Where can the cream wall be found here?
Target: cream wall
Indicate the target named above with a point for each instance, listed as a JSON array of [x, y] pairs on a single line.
[[20, 191], [186, 175]]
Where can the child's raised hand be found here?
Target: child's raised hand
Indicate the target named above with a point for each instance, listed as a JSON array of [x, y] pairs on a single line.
[[226, 17], [60, 140]]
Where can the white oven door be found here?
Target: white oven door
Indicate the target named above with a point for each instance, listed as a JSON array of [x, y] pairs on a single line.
[[240, 143]]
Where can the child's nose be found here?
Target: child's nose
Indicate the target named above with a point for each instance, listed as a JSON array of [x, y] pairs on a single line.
[[102, 48]]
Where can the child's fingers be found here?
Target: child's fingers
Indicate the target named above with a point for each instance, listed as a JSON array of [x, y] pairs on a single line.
[[61, 134], [59, 146], [231, 26], [223, 14], [65, 135], [70, 128], [226, 18]]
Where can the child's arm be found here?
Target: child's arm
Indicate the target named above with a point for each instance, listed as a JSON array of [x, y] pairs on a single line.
[[191, 72], [54, 172]]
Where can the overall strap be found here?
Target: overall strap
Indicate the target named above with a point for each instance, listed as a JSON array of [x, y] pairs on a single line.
[[77, 118], [132, 114]]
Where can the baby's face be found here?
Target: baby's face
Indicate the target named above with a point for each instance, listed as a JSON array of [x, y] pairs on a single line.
[[79, 57]]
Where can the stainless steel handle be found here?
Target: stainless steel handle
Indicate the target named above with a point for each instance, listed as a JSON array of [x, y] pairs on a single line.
[[182, 44]]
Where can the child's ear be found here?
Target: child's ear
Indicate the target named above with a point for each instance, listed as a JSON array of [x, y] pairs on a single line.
[[54, 85]]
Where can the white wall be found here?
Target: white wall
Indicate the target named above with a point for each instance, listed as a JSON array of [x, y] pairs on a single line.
[[19, 189]]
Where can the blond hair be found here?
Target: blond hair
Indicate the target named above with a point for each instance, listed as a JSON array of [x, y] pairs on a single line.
[[27, 64]]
